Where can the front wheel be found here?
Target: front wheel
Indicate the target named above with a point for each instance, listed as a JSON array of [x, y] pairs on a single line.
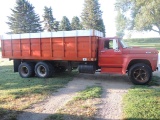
[[140, 74]]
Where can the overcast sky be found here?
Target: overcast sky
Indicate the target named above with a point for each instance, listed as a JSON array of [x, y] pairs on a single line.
[[62, 8]]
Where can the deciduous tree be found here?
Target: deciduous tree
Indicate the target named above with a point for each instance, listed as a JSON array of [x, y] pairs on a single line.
[[142, 15], [121, 24]]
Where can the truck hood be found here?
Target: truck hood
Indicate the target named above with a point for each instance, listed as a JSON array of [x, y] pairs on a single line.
[[139, 50]]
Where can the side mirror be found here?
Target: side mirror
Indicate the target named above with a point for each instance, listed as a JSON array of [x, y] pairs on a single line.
[[115, 44]]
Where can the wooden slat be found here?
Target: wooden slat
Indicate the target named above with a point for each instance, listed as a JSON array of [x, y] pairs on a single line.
[[30, 46], [11, 47], [40, 47], [76, 46], [51, 47], [63, 45], [90, 46]]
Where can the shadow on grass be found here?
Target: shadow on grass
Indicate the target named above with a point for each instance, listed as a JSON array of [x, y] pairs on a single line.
[[18, 93], [19, 115]]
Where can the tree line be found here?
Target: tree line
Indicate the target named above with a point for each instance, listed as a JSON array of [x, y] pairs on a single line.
[[24, 19]]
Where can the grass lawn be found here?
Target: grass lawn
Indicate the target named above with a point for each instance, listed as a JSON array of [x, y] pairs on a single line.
[[142, 103], [82, 107], [17, 93], [144, 43]]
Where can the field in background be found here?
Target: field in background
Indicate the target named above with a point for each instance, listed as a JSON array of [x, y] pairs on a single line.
[[144, 42]]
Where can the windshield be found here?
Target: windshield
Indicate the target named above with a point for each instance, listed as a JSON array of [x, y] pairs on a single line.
[[124, 45]]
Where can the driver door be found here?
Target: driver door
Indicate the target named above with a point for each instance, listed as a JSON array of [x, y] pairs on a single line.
[[110, 60]]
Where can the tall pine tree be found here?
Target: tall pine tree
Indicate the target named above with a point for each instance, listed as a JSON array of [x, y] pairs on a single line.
[[75, 24], [56, 25], [92, 16], [65, 24], [23, 18], [48, 19]]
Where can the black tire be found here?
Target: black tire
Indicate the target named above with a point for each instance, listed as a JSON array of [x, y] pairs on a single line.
[[140, 74], [26, 70], [43, 70]]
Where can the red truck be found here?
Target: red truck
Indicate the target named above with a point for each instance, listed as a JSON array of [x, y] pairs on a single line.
[[44, 54]]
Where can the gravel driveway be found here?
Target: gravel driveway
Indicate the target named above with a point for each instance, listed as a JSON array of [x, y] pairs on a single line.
[[114, 87]]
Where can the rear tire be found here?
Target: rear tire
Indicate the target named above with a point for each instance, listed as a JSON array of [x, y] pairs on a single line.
[[43, 70], [26, 70], [140, 74]]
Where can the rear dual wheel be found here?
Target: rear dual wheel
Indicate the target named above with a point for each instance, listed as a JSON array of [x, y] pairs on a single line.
[[41, 69], [26, 70], [44, 70]]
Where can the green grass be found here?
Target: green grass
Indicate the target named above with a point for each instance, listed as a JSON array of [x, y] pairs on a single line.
[[142, 102], [82, 107], [144, 42], [17, 93], [89, 92]]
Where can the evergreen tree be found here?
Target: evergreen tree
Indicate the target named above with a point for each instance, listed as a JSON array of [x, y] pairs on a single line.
[[56, 25], [92, 16], [23, 18], [101, 27], [75, 24], [48, 19], [65, 24]]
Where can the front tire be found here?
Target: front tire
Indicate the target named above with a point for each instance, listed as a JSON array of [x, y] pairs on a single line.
[[140, 74]]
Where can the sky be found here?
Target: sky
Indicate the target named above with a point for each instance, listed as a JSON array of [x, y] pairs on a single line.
[[68, 8]]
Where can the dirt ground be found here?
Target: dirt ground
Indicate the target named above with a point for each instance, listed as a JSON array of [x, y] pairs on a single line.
[[114, 87]]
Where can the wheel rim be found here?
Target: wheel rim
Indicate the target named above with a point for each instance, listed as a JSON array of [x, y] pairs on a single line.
[[140, 75], [41, 70], [24, 71]]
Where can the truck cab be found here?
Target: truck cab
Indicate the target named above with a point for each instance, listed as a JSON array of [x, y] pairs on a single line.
[[114, 56]]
